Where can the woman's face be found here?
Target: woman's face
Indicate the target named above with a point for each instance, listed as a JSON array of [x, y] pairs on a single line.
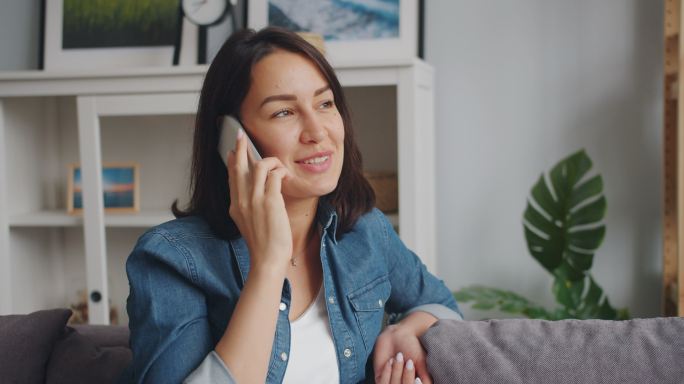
[[290, 113]]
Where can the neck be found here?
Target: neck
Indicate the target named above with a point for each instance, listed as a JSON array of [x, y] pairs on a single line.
[[302, 214]]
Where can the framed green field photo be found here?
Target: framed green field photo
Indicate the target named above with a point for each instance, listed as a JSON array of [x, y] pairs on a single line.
[[84, 34]]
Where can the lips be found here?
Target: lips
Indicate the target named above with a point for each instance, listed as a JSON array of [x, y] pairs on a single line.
[[316, 158], [316, 163]]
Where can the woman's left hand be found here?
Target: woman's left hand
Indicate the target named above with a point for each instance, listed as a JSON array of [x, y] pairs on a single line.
[[399, 357]]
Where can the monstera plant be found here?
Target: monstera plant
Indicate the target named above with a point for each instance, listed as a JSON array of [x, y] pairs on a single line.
[[563, 228]]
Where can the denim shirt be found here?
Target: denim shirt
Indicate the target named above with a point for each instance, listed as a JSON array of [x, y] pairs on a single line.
[[185, 283]]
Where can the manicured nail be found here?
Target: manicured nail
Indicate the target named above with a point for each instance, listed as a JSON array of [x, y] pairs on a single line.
[[391, 361], [240, 133], [409, 365], [418, 381], [400, 357]]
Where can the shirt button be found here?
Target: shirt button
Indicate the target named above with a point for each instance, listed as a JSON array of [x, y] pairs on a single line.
[[380, 303], [283, 356], [283, 306], [347, 352], [331, 300]]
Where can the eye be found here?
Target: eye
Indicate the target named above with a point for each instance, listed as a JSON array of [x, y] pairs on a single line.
[[327, 104], [282, 113]]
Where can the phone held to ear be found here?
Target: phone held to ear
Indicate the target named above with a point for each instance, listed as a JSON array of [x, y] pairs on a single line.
[[229, 130]]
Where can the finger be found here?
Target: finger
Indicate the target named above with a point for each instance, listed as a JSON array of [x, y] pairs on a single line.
[[260, 172], [240, 171], [409, 374], [383, 351], [274, 183], [422, 371], [241, 161], [251, 158], [397, 369], [386, 372]]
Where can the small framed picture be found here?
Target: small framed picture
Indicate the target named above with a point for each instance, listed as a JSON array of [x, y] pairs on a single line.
[[359, 31], [120, 188], [108, 34]]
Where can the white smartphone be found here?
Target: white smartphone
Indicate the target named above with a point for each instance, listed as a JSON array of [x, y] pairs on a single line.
[[229, 130]]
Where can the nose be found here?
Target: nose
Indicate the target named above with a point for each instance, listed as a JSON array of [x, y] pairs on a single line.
[[313, 129]]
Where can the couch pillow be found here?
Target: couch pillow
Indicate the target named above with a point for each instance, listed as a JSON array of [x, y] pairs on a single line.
[[26, 343], [567, 351], [89, 354]]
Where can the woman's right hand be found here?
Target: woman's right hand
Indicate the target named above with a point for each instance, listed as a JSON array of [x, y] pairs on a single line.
[[258, 208]]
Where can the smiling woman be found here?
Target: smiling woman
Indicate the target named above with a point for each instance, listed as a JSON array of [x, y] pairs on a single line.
[[280, 269]]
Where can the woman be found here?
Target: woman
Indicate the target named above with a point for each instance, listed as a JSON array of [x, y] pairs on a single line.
[[279, 272]]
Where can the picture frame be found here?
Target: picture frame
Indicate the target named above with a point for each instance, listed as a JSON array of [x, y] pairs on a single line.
[[64, 49], [378, 42], [120, 186]]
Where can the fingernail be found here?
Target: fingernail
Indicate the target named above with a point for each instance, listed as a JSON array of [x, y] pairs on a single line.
[[400, 357], [409, 365], [240, 133], [391, 361], [418, 381]]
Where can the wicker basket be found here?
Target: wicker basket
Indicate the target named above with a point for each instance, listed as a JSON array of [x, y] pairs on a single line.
[[386, 190]]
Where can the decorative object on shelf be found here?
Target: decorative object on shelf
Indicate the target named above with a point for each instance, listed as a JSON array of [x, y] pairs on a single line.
[[386, 189], [86, 34], [119, 185], [79, 310], [356, 31], [563, 228], [314, 39], [204, 14]]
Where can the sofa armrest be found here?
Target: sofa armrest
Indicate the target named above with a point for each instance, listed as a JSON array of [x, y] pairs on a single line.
[[567, 351]]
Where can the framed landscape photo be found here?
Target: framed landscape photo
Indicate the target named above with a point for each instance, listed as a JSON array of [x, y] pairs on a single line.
[[96, 34], [355, 31], [120, 188]]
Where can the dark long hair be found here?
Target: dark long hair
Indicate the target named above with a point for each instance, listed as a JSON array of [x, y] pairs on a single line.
[[225, 86]]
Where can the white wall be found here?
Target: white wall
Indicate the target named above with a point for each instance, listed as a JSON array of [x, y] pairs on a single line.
[[522, 84], [19, 31]]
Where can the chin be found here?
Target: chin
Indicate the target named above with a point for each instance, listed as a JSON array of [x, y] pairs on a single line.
[[309, 190]]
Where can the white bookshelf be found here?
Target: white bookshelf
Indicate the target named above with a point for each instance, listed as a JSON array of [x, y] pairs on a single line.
[[49, 120]]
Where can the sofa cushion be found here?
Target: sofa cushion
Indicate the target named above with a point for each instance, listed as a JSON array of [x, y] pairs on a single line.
[[26, 342], [567, 351], [89, 354]]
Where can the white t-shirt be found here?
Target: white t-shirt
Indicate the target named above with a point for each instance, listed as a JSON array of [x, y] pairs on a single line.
[[312, 350]]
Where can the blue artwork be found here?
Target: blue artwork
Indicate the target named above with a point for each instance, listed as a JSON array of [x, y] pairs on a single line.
[[118, 186], [338, 20]]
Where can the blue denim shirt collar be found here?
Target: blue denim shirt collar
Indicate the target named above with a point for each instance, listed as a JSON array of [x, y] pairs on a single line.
[[327, 218]]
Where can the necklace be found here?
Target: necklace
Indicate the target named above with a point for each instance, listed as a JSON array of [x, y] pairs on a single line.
[[293, 259]]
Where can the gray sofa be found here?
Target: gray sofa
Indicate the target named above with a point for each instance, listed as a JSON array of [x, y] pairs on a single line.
[[640, 351], [40, 348]]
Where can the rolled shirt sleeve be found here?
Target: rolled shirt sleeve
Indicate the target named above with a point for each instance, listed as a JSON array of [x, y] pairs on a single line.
[[212, 370]]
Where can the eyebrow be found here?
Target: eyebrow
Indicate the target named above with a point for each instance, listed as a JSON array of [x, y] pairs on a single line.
[[287, 97]]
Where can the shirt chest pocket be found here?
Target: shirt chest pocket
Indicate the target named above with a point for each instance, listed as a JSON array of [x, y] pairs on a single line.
[[368, 304]]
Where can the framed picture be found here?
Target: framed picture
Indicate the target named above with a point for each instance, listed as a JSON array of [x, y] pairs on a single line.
[[120, 188], [355, 31], [87, 34]]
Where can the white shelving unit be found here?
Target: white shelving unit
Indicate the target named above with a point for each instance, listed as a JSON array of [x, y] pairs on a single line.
[[48, 120]]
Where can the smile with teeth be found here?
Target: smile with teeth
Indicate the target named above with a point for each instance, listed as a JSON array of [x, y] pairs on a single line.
[[317, 160]]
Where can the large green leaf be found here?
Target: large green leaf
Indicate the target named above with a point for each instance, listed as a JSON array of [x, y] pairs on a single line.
[[486, 298], [562, 220]]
